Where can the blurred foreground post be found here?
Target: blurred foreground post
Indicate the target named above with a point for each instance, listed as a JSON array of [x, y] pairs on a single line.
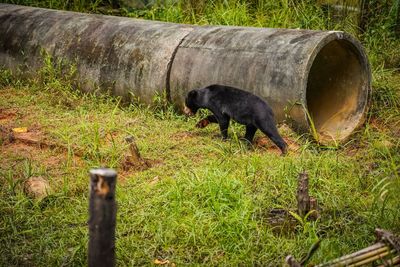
[[102, 217]]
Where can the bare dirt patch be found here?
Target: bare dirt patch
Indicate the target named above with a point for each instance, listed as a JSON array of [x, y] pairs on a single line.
[[265, 143], [6, 135], [129, 165], [21, 149], [29, 149], [132, 159], [32, 137], [7, 116], [31, 144], [127, 168], [36, 138], [179, 136]]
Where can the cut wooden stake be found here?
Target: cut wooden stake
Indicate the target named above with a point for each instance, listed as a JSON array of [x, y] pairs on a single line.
[[303, 198], [291, 261], [370, 258], [102, 217], [385, 252], [388, 238], [133, 160], [314, 206], [357, 256], [135, 154], [395, 261]]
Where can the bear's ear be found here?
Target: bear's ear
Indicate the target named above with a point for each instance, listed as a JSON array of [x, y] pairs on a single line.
[[193, 94]]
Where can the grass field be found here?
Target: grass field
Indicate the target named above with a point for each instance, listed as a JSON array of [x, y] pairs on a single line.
[[202, 201]]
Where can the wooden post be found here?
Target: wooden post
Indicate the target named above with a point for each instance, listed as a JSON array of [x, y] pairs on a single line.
[[134, 151], [102, 217], [303, 199], [291, 261], [133, 160], [388, 237]]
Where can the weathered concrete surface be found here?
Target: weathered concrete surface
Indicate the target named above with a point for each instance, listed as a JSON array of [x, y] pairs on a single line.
[[326, 72], [323, 72], [125, 56]]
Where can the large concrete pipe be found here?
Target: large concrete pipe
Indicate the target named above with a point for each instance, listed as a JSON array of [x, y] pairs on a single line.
[[124, 56], [323, 72]]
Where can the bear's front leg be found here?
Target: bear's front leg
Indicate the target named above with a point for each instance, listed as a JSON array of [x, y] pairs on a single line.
[[250, 132], [223, 122], [204, 122]]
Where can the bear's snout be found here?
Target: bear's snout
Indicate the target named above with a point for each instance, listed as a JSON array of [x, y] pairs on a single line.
[[188, 111]]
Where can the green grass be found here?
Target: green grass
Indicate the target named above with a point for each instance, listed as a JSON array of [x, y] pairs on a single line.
[[379, 40], [204, 201]]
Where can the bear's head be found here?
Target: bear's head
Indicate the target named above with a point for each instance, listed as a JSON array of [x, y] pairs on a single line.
[[191, 103]]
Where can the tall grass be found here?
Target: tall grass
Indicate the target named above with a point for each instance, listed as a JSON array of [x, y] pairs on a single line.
[[378, 38], [204, 201], [73, 5], [287, 14]]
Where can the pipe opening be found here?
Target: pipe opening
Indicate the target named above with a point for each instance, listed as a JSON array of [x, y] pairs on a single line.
[[336, 95]]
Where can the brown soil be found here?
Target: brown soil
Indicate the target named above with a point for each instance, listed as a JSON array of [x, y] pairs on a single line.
[[7, 116], [265, 143], [30, 144], [128, 165], [183, 135]]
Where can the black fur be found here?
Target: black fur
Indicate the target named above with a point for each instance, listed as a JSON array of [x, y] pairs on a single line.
[[231, 103]]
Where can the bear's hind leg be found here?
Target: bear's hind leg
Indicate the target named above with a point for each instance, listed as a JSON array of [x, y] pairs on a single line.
[[270, 130]]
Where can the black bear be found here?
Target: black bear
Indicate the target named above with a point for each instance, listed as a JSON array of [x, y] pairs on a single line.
[[227, 103]]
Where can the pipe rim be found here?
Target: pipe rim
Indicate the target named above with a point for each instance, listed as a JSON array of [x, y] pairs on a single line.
[[364, 89]]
